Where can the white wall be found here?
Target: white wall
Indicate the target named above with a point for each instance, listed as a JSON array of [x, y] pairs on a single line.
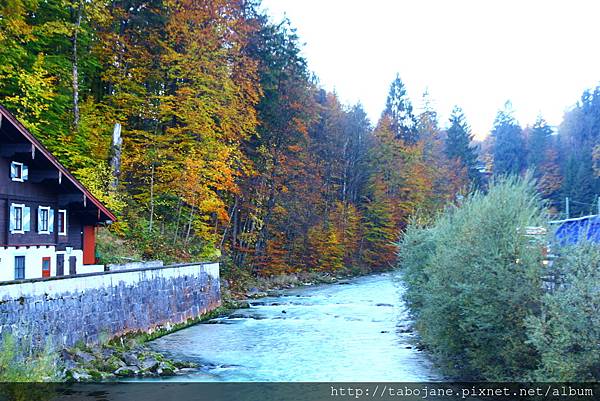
[[33, 261], [77, 284]]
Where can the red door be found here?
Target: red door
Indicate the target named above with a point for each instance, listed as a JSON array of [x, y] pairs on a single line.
[[45, 267], [89, 245]]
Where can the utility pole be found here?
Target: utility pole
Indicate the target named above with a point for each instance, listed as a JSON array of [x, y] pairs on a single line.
[[567, 207]]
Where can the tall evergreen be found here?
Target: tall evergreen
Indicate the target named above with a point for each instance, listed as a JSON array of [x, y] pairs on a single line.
[[538, 143], [399, 109], [458, 144], [509, 146]]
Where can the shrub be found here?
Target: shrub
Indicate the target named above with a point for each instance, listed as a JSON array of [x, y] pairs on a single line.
[[473, 277], [16, 366], [416, 251], [566, 332]]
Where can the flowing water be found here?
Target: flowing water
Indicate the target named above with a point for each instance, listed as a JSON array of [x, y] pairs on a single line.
[[355, 331]]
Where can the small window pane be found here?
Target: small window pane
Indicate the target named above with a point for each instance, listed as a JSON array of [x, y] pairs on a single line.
[[62, 217], [44, 219], [19, 267], [18, 218]]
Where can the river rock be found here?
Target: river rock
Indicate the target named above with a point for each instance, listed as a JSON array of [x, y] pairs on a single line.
[[69, 364], [166, 369], [149, 363], [113, 363], [127, 371], [84, 357], [130, 359], [107, 353], [80, 375]]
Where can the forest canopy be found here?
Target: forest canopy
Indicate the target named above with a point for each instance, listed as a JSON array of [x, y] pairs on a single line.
[[231, 149]]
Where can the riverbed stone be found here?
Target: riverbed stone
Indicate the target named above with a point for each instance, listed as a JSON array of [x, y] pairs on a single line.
[[79, 375], [127, 371], [166, 369], [130, 358], [149, 363], [84, 357]]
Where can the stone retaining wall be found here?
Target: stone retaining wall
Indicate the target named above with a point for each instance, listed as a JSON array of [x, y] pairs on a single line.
[[91, 307]]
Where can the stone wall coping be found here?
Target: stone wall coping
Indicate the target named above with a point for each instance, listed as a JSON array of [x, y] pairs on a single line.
[[138, 269]]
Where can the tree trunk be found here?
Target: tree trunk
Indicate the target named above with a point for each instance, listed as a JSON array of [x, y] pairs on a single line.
[[189, 229], [151, 199], [115, 160], [179, 204], [78, 18]]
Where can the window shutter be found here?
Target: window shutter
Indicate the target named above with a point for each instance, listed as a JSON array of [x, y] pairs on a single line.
[[39, 219], [13, 170], [51, 220], [12, 218], [26, 218], [25, 172]]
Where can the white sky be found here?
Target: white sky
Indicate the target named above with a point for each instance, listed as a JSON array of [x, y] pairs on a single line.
[[475, 53]]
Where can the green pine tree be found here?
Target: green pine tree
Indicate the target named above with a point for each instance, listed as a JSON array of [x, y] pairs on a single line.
[[509, 146], [458, 144], [399, 108]]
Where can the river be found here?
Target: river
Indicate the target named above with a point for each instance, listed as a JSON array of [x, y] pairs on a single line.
[[354, 331]]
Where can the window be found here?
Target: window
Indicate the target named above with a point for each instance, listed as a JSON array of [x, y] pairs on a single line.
[[62, 222], [18, 172], [19, 267], [19, 218], [45, 220]]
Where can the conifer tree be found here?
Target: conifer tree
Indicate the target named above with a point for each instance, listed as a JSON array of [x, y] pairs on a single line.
[[399, 109], [509, 146], [458, 145], [538, 143]]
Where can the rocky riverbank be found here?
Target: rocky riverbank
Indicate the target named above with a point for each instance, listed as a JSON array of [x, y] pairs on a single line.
[[128, 356], [259, 287], [108, 362]]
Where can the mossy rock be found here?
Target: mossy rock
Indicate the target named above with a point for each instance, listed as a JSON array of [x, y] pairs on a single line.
[[184, 364], [127, 371], [166, 368], [113, 363], [95, 374]]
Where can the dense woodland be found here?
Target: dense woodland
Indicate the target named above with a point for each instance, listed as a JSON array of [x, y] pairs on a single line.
[[231, 149]]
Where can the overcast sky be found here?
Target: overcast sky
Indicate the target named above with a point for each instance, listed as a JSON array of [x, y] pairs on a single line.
[[474, 53]]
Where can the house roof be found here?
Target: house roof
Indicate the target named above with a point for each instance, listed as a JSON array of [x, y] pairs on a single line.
[[571, 231], [5, 114]]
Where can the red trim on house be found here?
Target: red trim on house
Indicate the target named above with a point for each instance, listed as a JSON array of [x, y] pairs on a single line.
[[38, 145], [46, 272], [89, 245]]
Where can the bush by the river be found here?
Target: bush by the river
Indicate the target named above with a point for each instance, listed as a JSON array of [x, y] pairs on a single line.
[[473, 279]]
